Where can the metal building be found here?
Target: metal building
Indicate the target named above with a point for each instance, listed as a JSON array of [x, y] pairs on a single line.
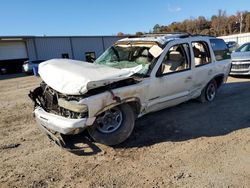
[[239, 38], [15, 50]]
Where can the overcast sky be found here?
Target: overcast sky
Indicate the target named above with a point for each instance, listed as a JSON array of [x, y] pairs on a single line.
[[103, 17]]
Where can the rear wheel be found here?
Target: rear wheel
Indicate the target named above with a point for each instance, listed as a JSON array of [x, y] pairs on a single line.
[[209, 92], [113, 126]]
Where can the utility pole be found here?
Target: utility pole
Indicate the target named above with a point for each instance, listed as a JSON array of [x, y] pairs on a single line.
[[241, 19]]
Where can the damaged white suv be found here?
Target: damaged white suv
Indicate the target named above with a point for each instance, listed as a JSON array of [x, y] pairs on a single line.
[[130, 79]]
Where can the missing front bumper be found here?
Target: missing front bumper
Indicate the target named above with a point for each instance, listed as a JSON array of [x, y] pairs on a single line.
[[55, 137]]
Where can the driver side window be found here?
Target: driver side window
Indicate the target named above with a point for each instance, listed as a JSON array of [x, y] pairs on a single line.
[[177, 59]]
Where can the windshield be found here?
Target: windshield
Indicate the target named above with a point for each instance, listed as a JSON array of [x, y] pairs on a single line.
[[122, 57], [244, 48]]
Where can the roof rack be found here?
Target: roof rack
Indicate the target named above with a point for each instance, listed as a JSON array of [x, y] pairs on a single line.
[[199, 35], [169, 34], [161, 38], [175, 34]]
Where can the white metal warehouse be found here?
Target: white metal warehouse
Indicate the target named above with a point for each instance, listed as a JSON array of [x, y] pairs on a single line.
[[239, 38], [14, 50]]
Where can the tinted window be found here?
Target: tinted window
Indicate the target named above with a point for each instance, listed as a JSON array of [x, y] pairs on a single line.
[[220, 49]]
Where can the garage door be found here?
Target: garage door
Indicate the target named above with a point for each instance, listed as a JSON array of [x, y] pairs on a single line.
[[12, 50]]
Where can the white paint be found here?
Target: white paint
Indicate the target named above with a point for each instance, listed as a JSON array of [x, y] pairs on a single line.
[[58, 123], [153, 93], [73, 77]]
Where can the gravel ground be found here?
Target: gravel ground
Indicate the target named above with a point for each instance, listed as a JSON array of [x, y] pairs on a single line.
[[190, 145]]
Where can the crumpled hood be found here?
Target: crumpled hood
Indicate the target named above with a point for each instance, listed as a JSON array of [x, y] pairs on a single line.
[[73, 77]]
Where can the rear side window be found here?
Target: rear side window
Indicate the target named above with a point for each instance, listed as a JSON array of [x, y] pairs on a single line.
[[201, 53], [220, 49]]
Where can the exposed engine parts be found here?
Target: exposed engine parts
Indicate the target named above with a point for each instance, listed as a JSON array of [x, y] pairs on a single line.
[[47, 98]]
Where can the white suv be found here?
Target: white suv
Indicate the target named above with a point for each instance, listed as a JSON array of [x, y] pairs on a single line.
[[130, 79]]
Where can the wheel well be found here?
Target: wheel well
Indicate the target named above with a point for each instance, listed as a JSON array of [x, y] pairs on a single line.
[[136, 106], [219, 80]]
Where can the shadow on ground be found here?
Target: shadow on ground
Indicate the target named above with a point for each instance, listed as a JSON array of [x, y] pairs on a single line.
[[81, 145], [11, 76], [229, 112]]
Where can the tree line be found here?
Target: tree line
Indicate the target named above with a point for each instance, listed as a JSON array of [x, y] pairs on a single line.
[[218, 25]]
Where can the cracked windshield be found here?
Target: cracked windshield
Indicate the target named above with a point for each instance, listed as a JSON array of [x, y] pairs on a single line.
[[123, 57]]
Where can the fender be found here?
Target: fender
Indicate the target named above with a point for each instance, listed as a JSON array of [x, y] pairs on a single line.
[[219, 78], [119, 102]]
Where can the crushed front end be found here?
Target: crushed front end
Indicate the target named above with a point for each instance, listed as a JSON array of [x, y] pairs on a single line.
[[58, 114]]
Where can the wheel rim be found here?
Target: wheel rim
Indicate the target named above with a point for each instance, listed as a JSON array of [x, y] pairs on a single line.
[[211, 91], [110, 120]]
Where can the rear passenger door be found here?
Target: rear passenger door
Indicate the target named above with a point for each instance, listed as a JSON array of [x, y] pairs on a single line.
[[202, 65]]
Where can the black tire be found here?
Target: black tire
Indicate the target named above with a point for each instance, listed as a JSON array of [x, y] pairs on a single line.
[[119, 134], [209, 93]]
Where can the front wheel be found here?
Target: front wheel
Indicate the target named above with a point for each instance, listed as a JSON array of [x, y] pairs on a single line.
[[113, 126]]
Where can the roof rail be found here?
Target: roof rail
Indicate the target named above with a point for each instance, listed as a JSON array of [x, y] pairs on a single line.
[[165, 34], [169, 34], [199, 35], [177, 34]]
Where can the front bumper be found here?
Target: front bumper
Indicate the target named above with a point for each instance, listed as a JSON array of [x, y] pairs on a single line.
[[58, 124]]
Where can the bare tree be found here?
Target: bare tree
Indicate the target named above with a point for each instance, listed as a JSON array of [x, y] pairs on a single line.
[[219, 24], [120, 34]]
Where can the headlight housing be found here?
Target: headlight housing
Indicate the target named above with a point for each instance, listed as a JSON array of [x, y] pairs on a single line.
[[73, 106]]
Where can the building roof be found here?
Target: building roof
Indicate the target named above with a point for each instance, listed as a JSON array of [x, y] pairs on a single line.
[[45, 36]]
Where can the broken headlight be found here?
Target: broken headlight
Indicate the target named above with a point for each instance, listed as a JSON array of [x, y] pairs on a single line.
[[73, 105]]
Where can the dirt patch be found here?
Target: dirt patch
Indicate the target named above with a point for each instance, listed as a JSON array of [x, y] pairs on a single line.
[[190, 145]]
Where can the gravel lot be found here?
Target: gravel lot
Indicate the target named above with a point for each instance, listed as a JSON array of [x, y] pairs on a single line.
[[190, 145]]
